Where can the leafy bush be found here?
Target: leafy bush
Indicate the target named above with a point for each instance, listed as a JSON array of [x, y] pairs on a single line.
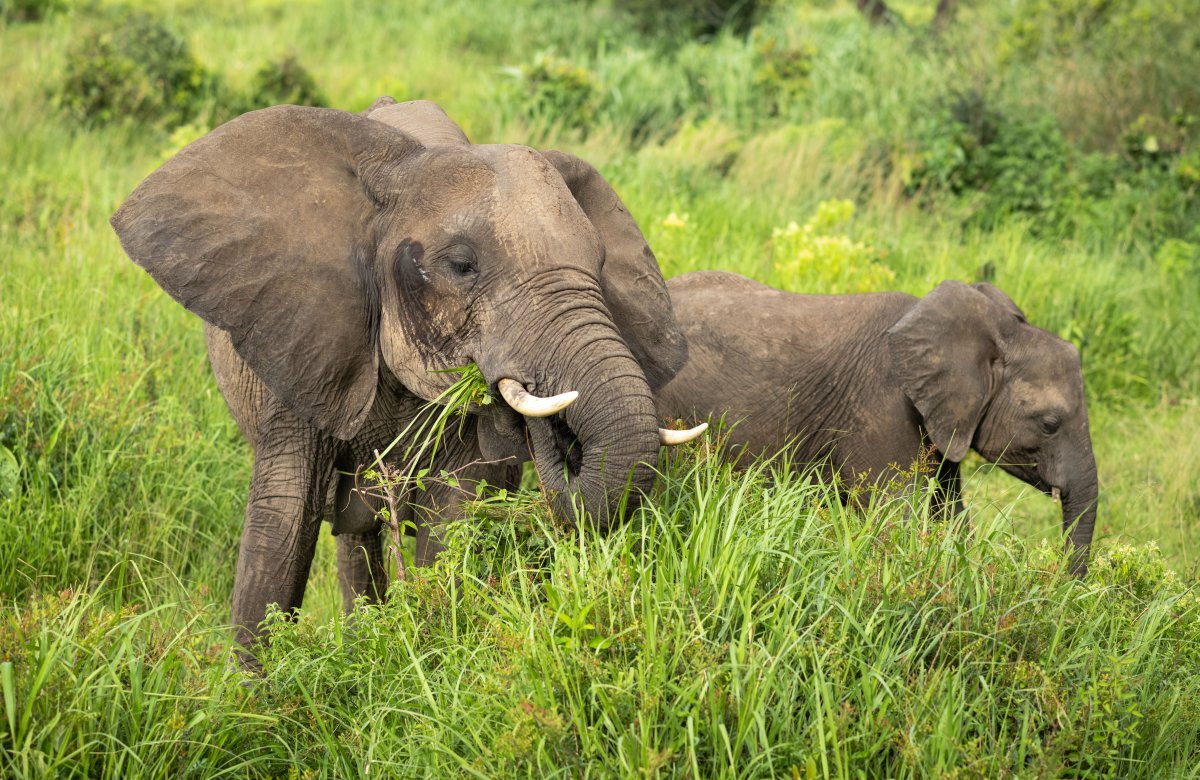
[[284, 81], [29, 10], [680, 19], [1005, 163], [131, 67], [782, 71], [553, 90], [968, 146], [1154, 141], [817, 257]]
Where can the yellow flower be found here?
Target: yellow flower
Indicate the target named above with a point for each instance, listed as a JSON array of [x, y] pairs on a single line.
[[674, 220], [818, 257]]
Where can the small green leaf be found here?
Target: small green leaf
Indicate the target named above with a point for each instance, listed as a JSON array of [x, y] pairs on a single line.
[[10, 473], [9, 687]]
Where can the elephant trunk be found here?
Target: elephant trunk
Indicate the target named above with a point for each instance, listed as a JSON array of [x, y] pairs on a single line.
[[593, 457], [1079, 516]]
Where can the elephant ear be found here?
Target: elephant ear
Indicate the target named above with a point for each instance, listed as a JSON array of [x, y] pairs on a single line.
[[424, 120], [1001, 299], [378, 103], [947, 352], [633, 284], [263, 228]]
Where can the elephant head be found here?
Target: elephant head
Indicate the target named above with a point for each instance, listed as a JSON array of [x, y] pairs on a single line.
[[335, 249], [982, 377]]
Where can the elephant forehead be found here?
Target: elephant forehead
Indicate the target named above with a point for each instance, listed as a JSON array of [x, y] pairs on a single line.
[[1039, 394], [1045, 359], [534, 214], [518, 166], [444, 180], [525, 177]]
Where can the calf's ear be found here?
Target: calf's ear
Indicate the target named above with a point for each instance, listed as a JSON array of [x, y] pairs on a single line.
[[947, 352]]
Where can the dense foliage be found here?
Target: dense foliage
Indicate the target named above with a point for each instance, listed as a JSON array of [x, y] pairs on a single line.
[[130, 67], [739, 625]]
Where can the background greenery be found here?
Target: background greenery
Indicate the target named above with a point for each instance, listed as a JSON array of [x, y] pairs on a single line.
[[736, 627]]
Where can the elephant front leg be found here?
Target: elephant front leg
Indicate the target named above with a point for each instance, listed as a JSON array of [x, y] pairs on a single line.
[[362, 570], [947, 500], [292, 466]]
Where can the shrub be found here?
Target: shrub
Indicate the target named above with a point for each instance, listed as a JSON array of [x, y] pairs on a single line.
[[554, 90], [681, 19], [284, 81], [28, 10], [1152, 141], [782, 71], [818, 257], [1010, 164], [133, 68], [1015, 165]]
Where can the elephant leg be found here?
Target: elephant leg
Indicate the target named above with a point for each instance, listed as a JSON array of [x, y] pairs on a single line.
[[361, 568], [947, 494], [356, 530], [293, 463]]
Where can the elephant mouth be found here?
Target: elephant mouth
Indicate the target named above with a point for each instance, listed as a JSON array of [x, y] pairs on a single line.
[[566, 447]]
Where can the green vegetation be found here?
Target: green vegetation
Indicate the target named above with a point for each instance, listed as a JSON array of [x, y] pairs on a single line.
[[735, 627], [284, 81], [132, 68]]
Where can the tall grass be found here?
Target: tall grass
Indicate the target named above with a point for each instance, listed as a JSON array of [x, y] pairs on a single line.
[[741, 625]]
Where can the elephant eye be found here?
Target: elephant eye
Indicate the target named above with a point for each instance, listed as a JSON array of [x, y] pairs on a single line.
[[1050, 425], [464, 267], [461, 261]]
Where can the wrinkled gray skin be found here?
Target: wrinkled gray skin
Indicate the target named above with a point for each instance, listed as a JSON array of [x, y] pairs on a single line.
[[339, 263], [871, 381]]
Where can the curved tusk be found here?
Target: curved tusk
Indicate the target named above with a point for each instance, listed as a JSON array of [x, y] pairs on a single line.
[[1055, 493], [670, 438], [531, 405]]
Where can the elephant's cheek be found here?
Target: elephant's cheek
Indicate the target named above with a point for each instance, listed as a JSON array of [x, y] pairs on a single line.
[[421, 364]]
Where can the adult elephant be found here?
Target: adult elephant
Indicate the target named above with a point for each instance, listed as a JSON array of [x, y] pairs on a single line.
[[341, 266], [873, 382]]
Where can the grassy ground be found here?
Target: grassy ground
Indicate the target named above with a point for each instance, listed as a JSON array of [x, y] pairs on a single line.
[[734, 628]]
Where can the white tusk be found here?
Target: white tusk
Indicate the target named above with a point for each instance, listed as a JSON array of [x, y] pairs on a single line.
[[531, 405], [670, 438], [1054, 493]]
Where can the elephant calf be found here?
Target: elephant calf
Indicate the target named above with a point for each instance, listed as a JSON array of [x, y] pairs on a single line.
[[872, 381]]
